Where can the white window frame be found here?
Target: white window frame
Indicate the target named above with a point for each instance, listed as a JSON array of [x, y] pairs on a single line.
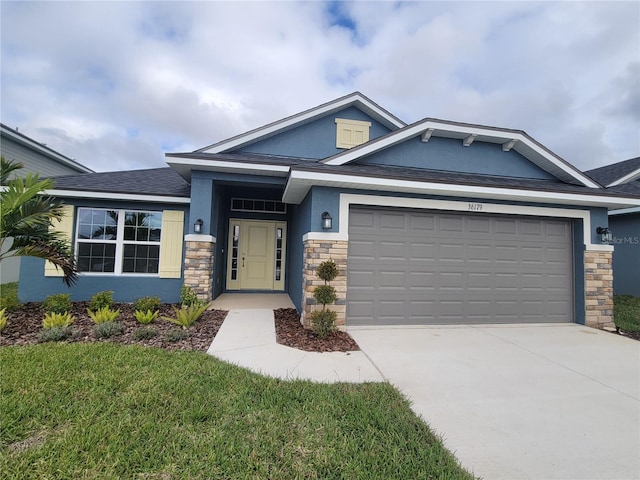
[[119, 242]]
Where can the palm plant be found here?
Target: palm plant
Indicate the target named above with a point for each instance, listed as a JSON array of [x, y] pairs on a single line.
[[25, 218]]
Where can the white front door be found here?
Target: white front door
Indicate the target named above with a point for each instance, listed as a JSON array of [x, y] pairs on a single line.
[[256, 255]]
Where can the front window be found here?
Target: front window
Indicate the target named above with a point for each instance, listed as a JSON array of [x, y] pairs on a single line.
[[118, 241]]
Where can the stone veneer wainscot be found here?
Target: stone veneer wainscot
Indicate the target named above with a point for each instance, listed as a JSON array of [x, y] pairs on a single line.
[[598, 280], [316, 252], [198, 265]]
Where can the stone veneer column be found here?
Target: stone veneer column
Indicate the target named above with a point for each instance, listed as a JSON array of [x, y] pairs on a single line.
[[598, 280], [198, 264], [316, 252]]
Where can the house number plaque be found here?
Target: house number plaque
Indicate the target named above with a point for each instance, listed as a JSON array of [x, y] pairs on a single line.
[[475, 207]]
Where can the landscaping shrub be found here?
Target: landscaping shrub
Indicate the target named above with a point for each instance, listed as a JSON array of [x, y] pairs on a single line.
[[54, 334], [175, 335], [108, 329], [323, 322], [188, 297], [53, 319], [186, 316], [144, 333], [101, 300], [147, 303], [145, 317], [60, 303], [105, 314], [9, 296], [3, 319]]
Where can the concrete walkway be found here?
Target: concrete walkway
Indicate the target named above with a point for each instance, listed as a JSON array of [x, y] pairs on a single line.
[[247, 338]]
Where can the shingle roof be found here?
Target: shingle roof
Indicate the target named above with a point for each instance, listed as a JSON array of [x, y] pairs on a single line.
[[610, 173], [155, 181], [406, 173]]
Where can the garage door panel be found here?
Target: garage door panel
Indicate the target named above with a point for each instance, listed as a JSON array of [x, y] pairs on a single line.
[[408, 267]]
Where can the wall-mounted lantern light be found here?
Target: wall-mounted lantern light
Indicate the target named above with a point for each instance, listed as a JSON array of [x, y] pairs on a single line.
[[327, 221], [606, 236], [197, 227]]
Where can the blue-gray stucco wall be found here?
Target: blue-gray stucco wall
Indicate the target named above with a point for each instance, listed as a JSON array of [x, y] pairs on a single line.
[[34, 286], [300, 224], [626, 253], [316, 139], [449, 154]]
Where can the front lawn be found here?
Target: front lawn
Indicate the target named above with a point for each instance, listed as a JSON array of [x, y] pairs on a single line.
[[626, 314], [111, 411]]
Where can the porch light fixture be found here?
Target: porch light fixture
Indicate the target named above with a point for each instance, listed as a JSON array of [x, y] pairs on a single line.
[[606, 236], [197, 227], [327, 221]]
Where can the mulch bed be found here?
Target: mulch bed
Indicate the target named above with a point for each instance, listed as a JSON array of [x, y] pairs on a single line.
[[290, 332], [24, 327]]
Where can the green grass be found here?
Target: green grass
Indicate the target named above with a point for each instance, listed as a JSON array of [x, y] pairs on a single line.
[[9, 296], [108, 411], [626, 313]]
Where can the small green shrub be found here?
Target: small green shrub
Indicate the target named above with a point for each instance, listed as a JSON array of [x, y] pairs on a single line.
[[3, 319], [144, 333], [323, 322], [105, 314], [188, 297], [174, 336], [101, 300], [327, 271], [108, 329], [54, 334], [53, 319], [145, 317], [186, 316], [9, 297], [147, 303], [60, 303], [325, 294]]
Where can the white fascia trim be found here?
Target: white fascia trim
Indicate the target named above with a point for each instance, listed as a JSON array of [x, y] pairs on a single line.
[[298, 118], [460, 190], [348, 199], [624, 211], [468, 131], [630, 177], [116, 196], [194, 237], [322, 236], [220, 164]]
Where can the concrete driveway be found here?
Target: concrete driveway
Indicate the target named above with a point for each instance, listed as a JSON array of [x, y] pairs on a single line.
[[521, 401]]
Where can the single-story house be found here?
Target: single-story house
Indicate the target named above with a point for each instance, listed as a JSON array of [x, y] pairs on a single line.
[[624, 224], [435, 222], [35, 157]]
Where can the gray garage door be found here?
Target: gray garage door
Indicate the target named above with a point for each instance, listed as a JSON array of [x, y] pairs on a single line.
[[411, 267]]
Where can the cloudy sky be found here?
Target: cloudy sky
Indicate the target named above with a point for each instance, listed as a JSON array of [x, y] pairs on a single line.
[[115, 85]]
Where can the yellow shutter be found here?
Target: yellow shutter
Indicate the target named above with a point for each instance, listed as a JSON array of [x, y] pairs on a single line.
[[171, 244], [64, 226]]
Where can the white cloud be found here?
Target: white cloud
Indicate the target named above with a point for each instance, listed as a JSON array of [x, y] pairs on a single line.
[[116, 84]]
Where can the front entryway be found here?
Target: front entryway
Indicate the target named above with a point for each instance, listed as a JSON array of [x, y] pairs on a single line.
[[256, 255]]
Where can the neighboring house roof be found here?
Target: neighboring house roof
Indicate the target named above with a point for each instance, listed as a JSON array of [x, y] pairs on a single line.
[[156, 184], [354, 99], [42, 149], [517, 140], [619, 173]]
